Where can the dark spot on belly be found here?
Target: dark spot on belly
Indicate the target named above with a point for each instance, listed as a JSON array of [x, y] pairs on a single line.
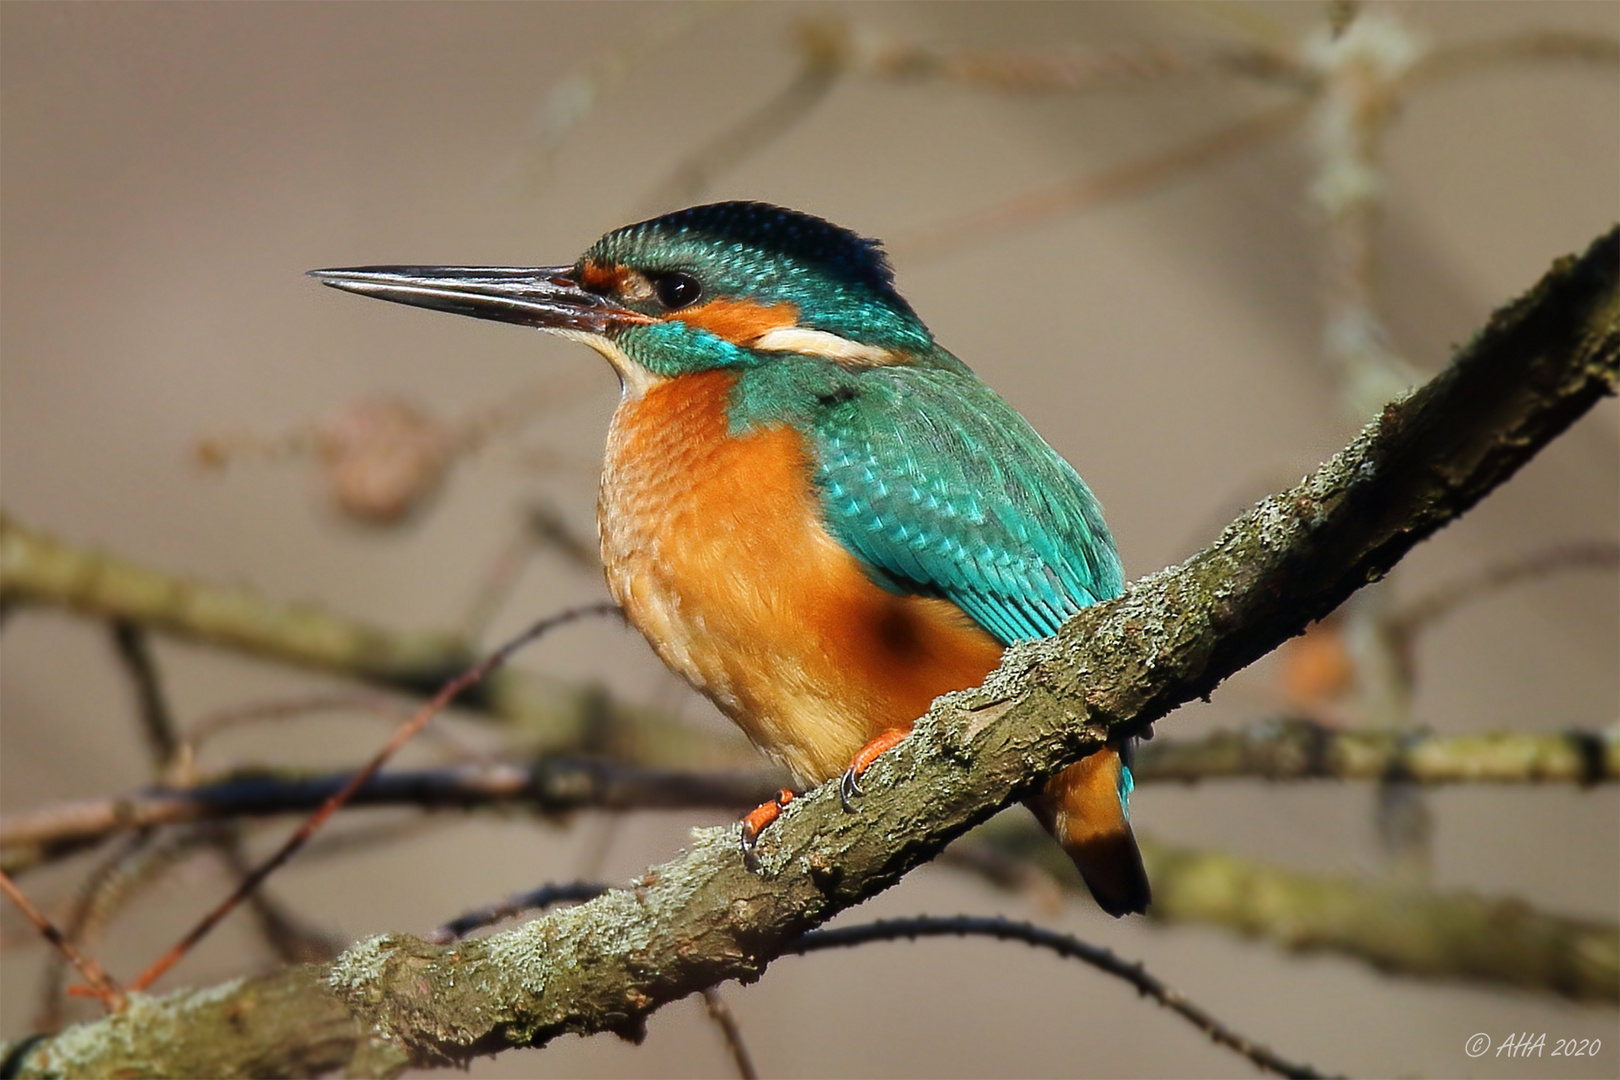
[[897, 632]]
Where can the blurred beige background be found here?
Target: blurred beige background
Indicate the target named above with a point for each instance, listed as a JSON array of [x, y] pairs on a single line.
[[167, 173]]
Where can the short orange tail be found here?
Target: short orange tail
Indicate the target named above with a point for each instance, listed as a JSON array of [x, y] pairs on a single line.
[[1084, 808]]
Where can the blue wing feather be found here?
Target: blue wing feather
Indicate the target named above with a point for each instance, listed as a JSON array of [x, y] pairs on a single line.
[[940, 488]]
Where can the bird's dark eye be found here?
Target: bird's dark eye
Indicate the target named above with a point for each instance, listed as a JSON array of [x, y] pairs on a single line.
[[676, 291]]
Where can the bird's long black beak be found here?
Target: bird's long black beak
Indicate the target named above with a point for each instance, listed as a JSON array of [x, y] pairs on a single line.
[[547, 297]]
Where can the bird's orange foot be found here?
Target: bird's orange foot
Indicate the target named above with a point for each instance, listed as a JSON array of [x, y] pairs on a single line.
[[757, 821], [849, 788]]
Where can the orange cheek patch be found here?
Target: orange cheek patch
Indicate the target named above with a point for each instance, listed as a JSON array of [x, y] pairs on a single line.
[[739, 321], [602, 278]]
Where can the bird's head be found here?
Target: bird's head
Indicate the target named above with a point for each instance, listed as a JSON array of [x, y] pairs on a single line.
[[729, 285]]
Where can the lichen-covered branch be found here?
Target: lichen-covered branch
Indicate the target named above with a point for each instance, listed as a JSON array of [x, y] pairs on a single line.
[[1398, 927], [1538, 365], [1304, 749], [1394, 926], [37, 570], [285, 1024]]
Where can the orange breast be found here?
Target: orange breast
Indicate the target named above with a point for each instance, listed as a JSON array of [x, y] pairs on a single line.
[[714, 547]]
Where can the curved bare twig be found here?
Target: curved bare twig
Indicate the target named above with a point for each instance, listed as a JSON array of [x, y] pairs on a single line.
[[1065, 945]]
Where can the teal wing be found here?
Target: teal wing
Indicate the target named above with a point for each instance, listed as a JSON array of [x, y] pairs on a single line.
[[941, 489]]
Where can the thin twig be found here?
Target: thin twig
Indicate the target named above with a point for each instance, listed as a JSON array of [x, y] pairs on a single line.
[[438, 702], [1004, 869], [543, 527], [38, 569], [697, 171], [157, 721], [551, 529], [1470, 57], [101, 984], [539, 899], [116, 880], [291, 938], [517, 408], [726, 1021], [97, 899], [93, 899], [1064, 945], [498, 584], [287, 708], [550, 785], [1074, 70], [596, 838], [371, 706], [1411, 619], [366, 838], [1131, 178], [571, 100], [111, 882]]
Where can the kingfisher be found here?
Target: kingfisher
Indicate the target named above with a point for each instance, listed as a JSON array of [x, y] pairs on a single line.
[[814, 513]]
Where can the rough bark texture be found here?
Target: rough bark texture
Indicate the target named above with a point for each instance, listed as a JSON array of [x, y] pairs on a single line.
[[1173, 636], [285, 1024]]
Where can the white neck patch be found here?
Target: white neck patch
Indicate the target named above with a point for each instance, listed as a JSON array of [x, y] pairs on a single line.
[[798, 339], [634, 379]]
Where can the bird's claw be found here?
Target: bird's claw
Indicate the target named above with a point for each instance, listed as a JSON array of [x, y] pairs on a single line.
[[750, 841], [849, 789], [756, 822]]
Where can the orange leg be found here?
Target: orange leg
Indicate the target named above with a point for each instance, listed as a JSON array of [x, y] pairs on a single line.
[[757, 821], [849, 787]]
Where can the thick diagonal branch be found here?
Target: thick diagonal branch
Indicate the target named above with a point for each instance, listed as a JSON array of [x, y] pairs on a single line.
[[1173, 636]]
